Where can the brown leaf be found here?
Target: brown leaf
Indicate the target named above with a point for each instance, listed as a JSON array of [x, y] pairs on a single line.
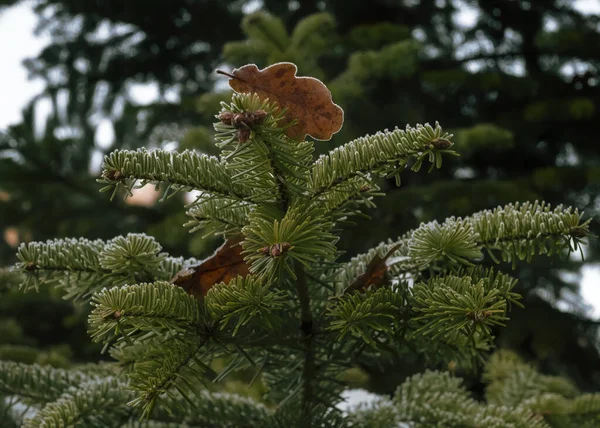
[[307, 99], [224, 265], [376, 273]]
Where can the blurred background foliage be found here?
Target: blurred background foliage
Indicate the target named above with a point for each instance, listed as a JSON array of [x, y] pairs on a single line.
[[517, 82]]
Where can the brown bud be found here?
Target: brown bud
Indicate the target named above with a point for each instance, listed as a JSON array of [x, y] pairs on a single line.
[[240, 119], [115, 315], [243, 135], [578, 232], [226, 117], [246, 119], [479, 316], [276, 250], [30, 266], [259, 116], [112, 175], [365, 188], [441, 143]]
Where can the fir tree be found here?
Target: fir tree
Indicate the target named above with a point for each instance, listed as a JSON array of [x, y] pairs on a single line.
[[521, 111], [518, 87], [296, 317]]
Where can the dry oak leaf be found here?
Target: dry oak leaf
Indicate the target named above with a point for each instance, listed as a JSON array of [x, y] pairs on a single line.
[[225, 264], [306, 99], [376, 273]]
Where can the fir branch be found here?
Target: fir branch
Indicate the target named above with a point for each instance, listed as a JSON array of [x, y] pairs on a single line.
[[265, 159], [177, 369], [38, 384], [243, 301], [517, 231], [451, 304], [134, 253], [435, 398], [522, 230], [82, 267], [127, 353], [494, 279], [454, 240], [538, 229], [218, 216], [58, 257], [362, 314], [156, 307], [346, 198], [511, 381], [385, 153], [94, 404], [214, 409], [183, 171], [302, 235], [584, 410]]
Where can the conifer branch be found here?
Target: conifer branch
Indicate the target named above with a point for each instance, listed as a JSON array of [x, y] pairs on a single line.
[[230, 410], [82, 267], [303, 235], [92, 404], [384, 154], [522, 230], [170, 266], [156, 307], [218, 216], [438, 399], [177, 369], [363, 314], [259, 155], [40, 384], [346, 198], [511, 381], [517, 231], [183, 171], [244, 301], [450, 304]]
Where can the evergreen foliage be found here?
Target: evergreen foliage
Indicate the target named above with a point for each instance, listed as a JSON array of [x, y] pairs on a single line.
[[517, 395], [302, 317], [517, 86]]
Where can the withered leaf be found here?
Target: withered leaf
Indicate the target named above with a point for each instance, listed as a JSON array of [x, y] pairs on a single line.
[[224, 265], [376, 273], [306, 99]]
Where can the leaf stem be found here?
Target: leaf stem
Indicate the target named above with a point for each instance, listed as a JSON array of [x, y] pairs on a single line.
[[225, 73]]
